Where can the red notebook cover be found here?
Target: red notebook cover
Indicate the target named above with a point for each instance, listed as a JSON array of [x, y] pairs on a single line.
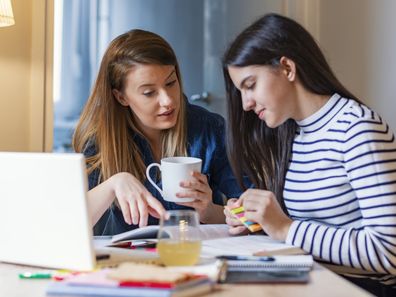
[[164, 285]]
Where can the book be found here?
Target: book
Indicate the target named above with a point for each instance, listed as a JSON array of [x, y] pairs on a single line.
[[98, 284], [150, 232], [59, 288], [278, 269]]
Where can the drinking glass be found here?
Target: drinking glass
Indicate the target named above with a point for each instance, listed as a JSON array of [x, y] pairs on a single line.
[[179, 242]]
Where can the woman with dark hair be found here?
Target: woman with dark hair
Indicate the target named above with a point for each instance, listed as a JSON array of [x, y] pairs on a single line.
[[136, 115], [323, 164]]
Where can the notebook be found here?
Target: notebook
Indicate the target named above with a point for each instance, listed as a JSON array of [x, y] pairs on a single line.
[[276, 262], [44, 218], [280, 269]]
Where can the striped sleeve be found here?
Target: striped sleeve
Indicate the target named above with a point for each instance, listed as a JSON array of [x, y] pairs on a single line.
[[369, 151]]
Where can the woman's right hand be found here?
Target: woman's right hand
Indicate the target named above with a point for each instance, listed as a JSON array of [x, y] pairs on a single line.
[[236, 226], [135, 200]]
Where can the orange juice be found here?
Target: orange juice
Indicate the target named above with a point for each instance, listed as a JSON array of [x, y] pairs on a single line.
[[179, 253]]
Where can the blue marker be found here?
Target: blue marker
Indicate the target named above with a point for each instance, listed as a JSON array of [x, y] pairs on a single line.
[[246, 258]]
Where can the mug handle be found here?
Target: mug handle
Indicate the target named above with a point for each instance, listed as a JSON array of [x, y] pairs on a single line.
[[149, 178]]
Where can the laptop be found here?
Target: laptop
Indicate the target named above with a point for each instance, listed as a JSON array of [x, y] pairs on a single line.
[[44, 218]]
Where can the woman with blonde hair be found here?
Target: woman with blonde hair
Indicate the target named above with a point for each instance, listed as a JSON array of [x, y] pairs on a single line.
[[136, 115]]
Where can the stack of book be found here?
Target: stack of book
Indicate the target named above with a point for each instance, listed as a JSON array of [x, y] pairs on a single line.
[[132, 280]]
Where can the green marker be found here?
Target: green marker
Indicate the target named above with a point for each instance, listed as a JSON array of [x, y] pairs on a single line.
[[35, 275]]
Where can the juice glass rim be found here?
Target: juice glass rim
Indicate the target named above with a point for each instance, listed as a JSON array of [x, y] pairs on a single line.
[[181, 212]]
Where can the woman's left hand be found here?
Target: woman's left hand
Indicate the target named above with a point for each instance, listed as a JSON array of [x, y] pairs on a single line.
[[262, 207], [197, 188]]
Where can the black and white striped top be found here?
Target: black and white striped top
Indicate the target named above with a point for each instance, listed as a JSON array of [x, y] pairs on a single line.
[[340, 188]]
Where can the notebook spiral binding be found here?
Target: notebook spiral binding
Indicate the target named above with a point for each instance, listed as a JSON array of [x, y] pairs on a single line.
[[254, 265], [266, 265], [272, 269], [281, 269]]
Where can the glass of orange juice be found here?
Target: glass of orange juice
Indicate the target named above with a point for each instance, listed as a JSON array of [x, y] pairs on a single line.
[[179, 242]]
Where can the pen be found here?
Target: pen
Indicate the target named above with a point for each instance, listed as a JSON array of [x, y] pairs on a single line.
[[102, 257], [247, 258], [35, 275]]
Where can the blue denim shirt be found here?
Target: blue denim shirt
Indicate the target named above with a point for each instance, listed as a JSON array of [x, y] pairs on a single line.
[[205, 140]]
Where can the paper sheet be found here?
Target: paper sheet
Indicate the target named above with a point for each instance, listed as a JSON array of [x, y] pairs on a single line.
[[212, 231], [242, 245]]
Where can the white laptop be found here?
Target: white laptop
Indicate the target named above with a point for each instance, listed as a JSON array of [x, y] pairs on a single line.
[[44, 218]]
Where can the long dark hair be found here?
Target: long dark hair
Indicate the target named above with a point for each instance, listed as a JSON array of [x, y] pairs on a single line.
[[254, 149]]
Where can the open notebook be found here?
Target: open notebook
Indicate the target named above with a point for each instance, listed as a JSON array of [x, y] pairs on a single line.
[[217, 241]]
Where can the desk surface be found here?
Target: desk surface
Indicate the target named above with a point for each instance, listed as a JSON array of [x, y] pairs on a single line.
[[323, 283]]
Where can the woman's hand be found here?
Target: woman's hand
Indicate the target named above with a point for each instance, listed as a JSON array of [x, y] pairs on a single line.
[[135, 200], [198, 188], [236, 226], [262, 207]]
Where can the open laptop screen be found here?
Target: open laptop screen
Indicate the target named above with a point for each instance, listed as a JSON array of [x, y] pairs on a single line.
[[44, 219]]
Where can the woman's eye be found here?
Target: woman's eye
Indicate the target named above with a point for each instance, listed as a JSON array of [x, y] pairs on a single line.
[[171, 83], [251, 86], [149, 93]]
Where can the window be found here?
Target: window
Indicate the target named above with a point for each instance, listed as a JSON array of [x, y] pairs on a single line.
[[198, 31]]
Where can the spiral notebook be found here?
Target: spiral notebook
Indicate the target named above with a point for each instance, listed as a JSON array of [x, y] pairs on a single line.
[[284, 269]]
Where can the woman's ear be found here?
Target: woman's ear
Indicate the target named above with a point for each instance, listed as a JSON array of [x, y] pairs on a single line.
[[120, 97], [288, 68]]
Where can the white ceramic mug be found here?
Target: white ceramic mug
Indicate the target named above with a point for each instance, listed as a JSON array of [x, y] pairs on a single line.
[[173, 171]]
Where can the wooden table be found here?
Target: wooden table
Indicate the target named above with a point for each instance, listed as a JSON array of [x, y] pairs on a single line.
[[323, 283]]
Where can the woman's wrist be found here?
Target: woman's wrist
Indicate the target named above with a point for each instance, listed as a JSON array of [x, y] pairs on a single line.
[[284, 230], [213, 214], [100, 198], [111, 188]]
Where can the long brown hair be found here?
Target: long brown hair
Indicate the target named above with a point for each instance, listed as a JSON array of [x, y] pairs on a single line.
[[110, 126], [255, 149]]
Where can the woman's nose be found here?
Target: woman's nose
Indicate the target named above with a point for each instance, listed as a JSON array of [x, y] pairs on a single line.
[[248, 103], [165, 99]]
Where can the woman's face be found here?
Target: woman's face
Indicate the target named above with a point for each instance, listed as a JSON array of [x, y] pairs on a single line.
[[153, 94], [267, 91]]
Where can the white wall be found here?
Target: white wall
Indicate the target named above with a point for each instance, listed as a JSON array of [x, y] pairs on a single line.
[[359, 40], [15, 79], [23, 85]]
